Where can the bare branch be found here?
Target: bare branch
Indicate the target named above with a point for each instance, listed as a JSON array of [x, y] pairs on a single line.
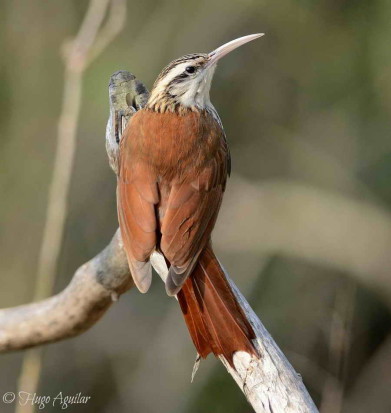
[[115, 23], [92, 290], [269, 383]]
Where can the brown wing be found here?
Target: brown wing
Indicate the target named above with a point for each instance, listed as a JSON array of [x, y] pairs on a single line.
[[136, 196], [190, 216]]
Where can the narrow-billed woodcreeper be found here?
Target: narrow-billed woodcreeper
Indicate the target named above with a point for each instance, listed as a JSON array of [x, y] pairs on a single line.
[[173, 167]]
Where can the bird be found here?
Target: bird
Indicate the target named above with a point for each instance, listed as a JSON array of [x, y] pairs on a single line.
[[173, 166]]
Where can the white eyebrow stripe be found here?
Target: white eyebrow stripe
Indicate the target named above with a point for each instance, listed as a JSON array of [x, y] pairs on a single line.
[[174, 72]]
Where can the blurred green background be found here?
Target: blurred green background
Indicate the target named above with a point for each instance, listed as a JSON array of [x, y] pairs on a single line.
[[305, 228]]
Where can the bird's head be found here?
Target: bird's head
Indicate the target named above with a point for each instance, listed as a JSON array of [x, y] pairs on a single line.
[[185, 82]]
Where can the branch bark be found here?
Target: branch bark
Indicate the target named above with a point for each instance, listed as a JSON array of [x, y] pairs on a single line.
[[92, 290], [269, 382]]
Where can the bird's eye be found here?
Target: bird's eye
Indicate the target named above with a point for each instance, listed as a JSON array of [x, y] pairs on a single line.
[[190, 69]]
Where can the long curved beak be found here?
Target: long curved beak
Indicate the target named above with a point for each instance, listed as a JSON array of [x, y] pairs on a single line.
[[228, 47]]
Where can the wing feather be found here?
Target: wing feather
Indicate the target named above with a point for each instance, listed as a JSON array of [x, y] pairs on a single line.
[[189, 219], [137, 195]]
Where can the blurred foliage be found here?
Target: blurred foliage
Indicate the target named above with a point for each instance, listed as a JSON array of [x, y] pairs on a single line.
[[309, 103]]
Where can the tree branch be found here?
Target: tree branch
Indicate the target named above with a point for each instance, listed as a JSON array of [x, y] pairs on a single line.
[[92, 290], [270, 383]]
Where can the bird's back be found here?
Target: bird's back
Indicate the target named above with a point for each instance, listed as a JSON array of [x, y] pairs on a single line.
[[173, 145], [172, 175]]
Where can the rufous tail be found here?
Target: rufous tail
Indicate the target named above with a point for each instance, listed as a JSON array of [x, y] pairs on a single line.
[[215, 320]]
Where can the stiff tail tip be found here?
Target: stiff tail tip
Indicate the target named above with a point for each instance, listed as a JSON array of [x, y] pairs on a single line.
[[214, 318]]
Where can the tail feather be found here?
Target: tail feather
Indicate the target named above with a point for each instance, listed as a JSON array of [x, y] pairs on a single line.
[[194, 321], [214, 318]]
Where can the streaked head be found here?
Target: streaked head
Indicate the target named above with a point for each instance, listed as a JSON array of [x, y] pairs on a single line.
[[186, 81]]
